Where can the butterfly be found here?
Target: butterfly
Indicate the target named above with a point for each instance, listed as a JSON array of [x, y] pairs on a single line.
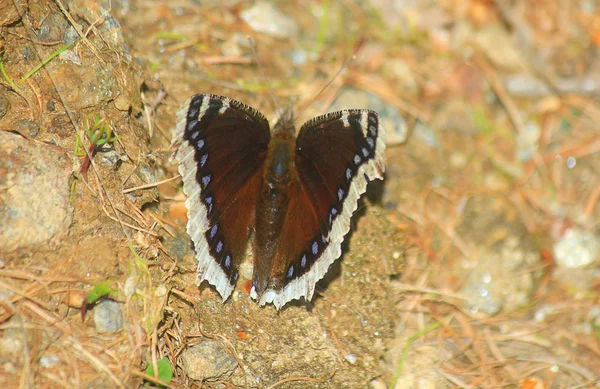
[[291, 195]]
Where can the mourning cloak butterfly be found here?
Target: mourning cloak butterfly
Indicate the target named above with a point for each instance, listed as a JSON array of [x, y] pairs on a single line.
[[294, 194]]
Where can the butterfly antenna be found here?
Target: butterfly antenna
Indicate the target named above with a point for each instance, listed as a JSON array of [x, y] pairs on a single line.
[[251, 42]]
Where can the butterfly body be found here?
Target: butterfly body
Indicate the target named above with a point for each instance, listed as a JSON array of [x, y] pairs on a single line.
[[293, 194], [272, 205]]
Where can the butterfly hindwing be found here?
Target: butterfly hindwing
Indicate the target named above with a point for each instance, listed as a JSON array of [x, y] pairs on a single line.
[[222, 146]]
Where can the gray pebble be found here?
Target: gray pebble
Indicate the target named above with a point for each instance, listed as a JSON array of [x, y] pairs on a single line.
[[108, 316], [207, 361]]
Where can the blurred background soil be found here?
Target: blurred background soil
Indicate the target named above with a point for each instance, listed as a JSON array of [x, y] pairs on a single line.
[[475, 264]]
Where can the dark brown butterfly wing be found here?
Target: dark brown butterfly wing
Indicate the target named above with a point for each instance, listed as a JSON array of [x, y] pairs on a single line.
[[222, 147], [336, 155]]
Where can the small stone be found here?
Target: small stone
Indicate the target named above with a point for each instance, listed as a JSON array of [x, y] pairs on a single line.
[[32, 171], [110, 157], [500, 47], [52, 27], [28, 127], [577, 248], [161, 291], [84, 86], [350, 358], [505, 273], [122, 104], [71, 35], [265, 17], [12, 342], [146, 173], [528, 142], [246, 270], [61, 125], [207, 361], [71, 56], [108, 316], [130, 286], [377, 383], [177, 246], [52, 103], [28, 54], [299, 57], [49, 360]]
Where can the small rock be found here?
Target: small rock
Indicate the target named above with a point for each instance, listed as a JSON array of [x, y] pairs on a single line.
[[84, 86], [28, 54], [500, 47], [265, 17], [299, 57], [505, 273], [52, 103], [145, 172], [109, 29], [122, 104], [177, 246], [108, 316], [577, 248], [9, 368], [49, 360], [377, 383], [161, 291], [576, 253], [108, 156], [71, 35], [207, 361], [12, 342], [71, 56], [34, 192], [52, 27], [61, 125], [498, 281], [129, 288], [350, 358], [28, 127]]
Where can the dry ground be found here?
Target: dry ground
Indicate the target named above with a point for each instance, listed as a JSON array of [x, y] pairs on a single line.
[[449, 277]]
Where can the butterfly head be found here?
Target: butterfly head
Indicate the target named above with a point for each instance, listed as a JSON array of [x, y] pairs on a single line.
[[285, 122]]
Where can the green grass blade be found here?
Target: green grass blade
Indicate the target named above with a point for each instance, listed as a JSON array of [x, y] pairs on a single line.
[[7, 77], [98, 291], [410, 340], [44, 62]]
